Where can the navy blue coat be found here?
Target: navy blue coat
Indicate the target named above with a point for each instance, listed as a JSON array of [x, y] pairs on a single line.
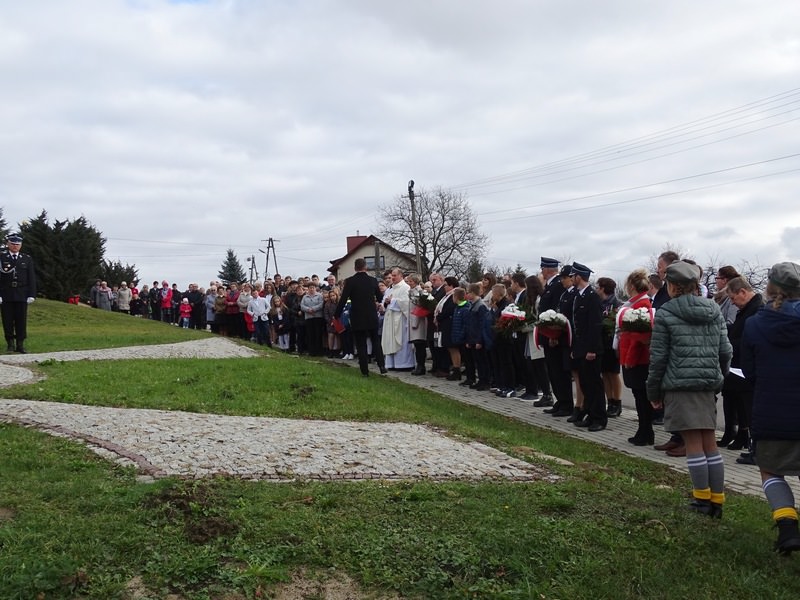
[[479, 325], [771, 360]]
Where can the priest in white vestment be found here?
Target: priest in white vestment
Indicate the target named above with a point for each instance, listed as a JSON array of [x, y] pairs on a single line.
[[397, 349]]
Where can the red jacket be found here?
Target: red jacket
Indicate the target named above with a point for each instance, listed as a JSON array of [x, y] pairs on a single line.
[[634, 348]]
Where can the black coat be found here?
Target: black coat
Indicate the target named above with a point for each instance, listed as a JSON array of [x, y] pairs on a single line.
[[587, 320], [17, 283], [551, 295], [363, 292], [735, 333]]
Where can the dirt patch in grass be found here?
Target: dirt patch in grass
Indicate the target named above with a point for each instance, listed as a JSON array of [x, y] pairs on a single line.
[[6, 514], [338, 587], [197, 505]]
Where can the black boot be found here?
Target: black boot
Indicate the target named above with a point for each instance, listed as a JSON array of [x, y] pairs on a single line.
[[577, 415], [418, 371], [614, 408], [701, 506], [11, 346], [788, 536], [642, 438], [455, 374], [742, 440], [727, 437]]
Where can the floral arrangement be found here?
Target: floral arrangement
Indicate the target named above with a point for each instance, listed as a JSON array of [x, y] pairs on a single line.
[[512, 320], [638, 320], [551, 324], [424, 304], [610, 322]]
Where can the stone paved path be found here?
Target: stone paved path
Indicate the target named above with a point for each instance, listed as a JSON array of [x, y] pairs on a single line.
[[166, 442], [161, 443]]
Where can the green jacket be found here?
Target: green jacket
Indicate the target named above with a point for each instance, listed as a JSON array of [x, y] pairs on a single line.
[[689, 349]]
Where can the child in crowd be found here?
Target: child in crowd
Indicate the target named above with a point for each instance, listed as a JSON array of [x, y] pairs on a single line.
[[328, 313], [458, 331], [279, 323], [186, 313], [477, 340]]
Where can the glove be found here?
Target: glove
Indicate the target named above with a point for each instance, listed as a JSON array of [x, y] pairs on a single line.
[[30, 300]]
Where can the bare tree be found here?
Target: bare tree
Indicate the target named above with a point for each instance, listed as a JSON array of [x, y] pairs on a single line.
[[448, 234]]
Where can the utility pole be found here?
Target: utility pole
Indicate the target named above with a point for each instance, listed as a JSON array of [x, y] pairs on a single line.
[[253, 268], [270, 249], [414, 231]]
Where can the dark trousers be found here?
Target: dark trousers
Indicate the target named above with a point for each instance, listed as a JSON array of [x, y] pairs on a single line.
[[420, 353], [594, 399], [262, 332], [360, 338], [560, 377], [644, 412], [15, 320], [503, 370], [523, 367], [539, 368], [743, 404], [315, 328], [476, 364]]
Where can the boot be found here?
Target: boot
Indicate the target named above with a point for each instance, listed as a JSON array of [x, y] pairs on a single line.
[[418, 371], [21, 348], [702, 507], [788, 536], [455, 374], [614, 408], [11, 346], [742, 439], [727, 437], [642, 438], [577, 415]]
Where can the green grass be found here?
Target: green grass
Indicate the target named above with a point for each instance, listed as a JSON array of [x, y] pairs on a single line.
[[75, 526]]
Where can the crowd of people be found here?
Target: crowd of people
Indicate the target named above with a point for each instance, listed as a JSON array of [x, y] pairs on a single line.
[[560, 339]]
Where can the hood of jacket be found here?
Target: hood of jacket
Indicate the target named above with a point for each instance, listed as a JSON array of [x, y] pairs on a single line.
[[692, 309], [780, 327]]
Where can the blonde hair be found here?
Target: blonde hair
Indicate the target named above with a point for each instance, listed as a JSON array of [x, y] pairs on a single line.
[[638, 281]]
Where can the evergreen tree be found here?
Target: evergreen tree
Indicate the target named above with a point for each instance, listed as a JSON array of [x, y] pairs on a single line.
[[3, 229], [67, 255], [231, 270], [114, 273]]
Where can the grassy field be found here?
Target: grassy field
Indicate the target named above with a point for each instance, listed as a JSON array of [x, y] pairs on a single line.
[[75, 526]]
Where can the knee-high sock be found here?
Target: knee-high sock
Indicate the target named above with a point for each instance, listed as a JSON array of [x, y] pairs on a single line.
[[716, 477], [780, 498], [698, 472]]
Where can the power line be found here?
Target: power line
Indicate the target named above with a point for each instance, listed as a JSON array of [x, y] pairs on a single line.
[[652, 197], [639, 187], [617, 150]]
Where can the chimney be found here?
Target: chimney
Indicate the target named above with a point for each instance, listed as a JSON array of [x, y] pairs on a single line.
[[354, 241]]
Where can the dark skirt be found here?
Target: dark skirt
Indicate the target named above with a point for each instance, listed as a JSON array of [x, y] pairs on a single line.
[[779, 457], [635, 378]]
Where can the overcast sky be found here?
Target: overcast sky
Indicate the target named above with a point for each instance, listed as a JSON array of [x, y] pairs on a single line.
[[598, 131]]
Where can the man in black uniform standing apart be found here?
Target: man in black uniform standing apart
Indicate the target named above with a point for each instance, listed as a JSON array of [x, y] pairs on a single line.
[[364, 295], [17, 290]]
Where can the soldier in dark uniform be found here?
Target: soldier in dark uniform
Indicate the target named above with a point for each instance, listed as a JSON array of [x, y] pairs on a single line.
[[556, 355], [17, 290], [587, 348]]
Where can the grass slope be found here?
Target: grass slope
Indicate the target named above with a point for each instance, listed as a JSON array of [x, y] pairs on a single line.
[[75, 526]]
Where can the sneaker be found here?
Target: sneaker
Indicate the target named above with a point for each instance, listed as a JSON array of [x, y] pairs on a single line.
[[510, 394], [528, 396]]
